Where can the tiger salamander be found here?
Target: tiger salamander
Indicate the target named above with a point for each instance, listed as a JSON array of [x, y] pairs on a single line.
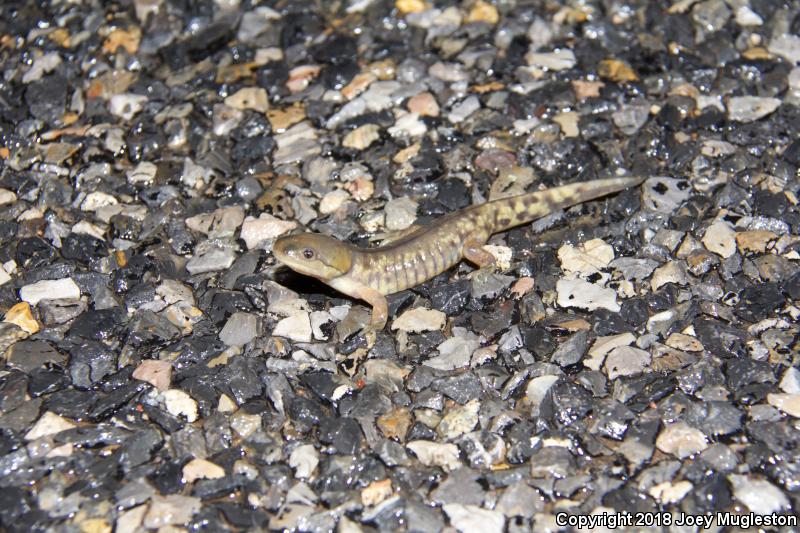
[[370, 274]]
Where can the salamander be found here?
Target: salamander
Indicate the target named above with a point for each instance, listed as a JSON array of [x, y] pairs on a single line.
[[369, 274]]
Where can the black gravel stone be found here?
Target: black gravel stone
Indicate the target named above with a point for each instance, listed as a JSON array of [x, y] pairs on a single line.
[[344, 434]]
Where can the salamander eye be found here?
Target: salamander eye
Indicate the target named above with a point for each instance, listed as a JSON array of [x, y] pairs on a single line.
[[308, 253]]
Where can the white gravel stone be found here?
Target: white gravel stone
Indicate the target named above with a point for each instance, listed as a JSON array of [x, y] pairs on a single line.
[[626, 361], [672, 272], [257, 230], [304, 460], [790, 381], [471, 518], [126, 105], [179, 403], [244, 425], [212, 261], [173, 291], [681, 440], [4, 276], [751, 108], [376, 98], [787, 46], [131, 520], [296, 327], [95, 200], [41, 66], [408, 125], [788, 403], [298, 143], [170, 510], [142, 174], [669, 492], [87, 228], [459, 420], [632, 116], [559, 60], [333, 201], [49, 424], [225, 119], [419, 319], [584, 295], [720, 239], [663, 194], [633, 268], [400, 213], [201, 469], [456, 351], [218, 224], [747, 17], [444, 455], [603, 345], [759, 495], [536, 390], [587, 258], [7, 197], [240, 329], [463, 110], [319, 319], [50, 289]]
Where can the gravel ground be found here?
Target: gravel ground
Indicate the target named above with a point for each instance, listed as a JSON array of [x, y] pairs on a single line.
[[635, 354]]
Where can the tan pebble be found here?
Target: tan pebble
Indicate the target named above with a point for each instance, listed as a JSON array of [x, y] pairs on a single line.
[[754, 241], [616, 70], [20, 315], [358, 84], [587, 89], [376, 492], [384, 70], [394, 424], [522, 286], [483, 12], [788, 403], [407, 153], [720, 239], [128, 39], [155, 372], [687, 343], [568, 121], [424, 104], [254, 98], [362, 137], [226, 405], [577, 324], [410, 6], [95, 525], [361, 189], [300, 77], [333, 201], [419, 319], [201, 469]]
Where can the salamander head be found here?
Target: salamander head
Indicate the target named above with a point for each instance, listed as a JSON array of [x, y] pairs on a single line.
[[314, 255]]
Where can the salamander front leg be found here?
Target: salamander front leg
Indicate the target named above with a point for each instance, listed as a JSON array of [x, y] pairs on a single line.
[[380, 312]]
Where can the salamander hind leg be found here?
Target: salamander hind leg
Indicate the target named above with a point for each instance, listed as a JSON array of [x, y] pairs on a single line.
[[473, 251]]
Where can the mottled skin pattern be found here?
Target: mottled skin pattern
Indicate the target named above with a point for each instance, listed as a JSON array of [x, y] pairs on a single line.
[[371, 274]]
